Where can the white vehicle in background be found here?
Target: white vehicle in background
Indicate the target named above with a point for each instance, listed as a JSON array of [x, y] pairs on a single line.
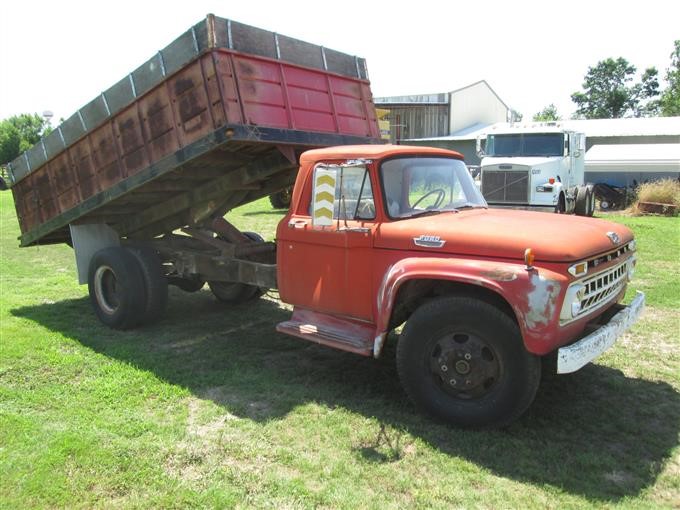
[[536, 166]]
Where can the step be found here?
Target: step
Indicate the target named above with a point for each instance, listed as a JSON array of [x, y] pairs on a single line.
[[337, 332]]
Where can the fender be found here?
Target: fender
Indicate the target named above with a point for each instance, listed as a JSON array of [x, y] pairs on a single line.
[[535, 296]]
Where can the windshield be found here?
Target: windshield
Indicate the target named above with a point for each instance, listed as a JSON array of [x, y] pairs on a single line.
[[534, 144], [429, 185]]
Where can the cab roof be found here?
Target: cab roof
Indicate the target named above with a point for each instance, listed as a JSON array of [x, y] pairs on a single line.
[[372, 152]]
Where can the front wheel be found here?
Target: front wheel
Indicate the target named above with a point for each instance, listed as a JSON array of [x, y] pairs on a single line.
[[463, 361]]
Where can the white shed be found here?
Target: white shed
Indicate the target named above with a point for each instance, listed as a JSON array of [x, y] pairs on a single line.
[[630, 164]]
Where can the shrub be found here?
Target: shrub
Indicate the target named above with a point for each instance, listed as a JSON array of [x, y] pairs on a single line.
[[665, 191]]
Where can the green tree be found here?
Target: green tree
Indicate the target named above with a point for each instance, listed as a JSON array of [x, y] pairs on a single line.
[[20, 133], [669, 104], [608, 91], [547, 114]]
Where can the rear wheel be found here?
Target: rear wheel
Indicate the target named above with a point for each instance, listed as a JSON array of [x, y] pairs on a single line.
[[464, 362], [281, 199], [156, 285], [116, 286], [234, 292]]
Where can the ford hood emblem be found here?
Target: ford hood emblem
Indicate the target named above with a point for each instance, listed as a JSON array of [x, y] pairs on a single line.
[[614, 238], [429, 241]]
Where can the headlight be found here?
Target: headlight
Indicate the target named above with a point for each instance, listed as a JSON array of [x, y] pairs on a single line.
[[632, 246], [572, 301]]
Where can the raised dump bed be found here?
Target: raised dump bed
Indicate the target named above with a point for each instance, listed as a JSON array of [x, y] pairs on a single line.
[[216, 119]]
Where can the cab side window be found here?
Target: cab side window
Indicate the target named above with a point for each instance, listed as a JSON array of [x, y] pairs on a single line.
[[354, 195], [353, 198]]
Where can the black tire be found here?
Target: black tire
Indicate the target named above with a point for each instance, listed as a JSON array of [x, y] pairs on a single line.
[[581, 206], [228, 292], [116, 286], [156, 285], [590, 194], [281, 199], [187, 284], [561, 206], [492, 379]]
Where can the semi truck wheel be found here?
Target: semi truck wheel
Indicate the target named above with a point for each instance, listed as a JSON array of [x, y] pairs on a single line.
[[116, 285], [590, 190], [463, 361], [155, 283], [581, 205]]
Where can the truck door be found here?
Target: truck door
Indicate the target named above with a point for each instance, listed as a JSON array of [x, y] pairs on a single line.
[[325, 248]]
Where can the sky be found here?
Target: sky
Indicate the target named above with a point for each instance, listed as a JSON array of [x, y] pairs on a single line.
[[58, 55]]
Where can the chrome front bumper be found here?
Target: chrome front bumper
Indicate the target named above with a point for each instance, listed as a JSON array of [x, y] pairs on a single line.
[[574, 356]]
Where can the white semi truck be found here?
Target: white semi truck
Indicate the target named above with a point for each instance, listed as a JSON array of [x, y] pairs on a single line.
[[535, 166]]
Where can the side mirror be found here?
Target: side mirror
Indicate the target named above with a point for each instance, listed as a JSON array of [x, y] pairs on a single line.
[[580, 145], [480, 149], [323, 196]]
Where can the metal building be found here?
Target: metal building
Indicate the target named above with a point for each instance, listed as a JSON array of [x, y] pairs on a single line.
[[436, 115]]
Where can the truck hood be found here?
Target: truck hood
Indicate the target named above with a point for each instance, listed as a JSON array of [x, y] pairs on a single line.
[[503, 233]]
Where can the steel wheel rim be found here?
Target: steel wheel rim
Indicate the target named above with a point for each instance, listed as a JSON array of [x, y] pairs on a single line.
[[106, 289], [464, 366]]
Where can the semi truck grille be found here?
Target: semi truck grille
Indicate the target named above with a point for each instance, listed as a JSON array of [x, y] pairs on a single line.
[[509, 186], [600, 287]]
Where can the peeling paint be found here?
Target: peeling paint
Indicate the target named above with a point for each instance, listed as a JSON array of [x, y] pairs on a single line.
[[378, 343], [500, 275], [541, 300]]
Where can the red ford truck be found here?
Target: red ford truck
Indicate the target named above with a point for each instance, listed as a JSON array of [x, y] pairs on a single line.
[[377, 237]]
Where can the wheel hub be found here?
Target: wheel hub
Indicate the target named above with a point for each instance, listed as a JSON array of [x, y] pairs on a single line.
[[464, 365], [106, 289]]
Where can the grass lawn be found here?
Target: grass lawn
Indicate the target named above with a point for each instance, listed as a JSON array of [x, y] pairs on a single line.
[[212, 408]]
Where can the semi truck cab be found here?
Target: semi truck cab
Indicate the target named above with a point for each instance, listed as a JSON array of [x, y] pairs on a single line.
[[537, 166]]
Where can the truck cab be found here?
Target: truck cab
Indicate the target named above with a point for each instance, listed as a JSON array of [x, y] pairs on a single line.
[[537, 166], [383, 237]]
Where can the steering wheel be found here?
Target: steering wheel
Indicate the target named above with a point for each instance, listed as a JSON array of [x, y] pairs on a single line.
[[440, 198], [366, 211]]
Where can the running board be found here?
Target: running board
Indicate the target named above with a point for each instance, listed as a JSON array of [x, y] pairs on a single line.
[[344, 334]]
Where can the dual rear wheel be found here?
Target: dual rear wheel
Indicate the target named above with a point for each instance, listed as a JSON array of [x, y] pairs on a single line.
[[127, 286], [585, 201]]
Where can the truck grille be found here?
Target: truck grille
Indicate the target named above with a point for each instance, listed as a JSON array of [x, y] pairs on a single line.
[[508, 186], [600, 287]]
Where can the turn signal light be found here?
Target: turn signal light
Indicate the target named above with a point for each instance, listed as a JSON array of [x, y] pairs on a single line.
[[529, 258], [579, 269], [551, 180]]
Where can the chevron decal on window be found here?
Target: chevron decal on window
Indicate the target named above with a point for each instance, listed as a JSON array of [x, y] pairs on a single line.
[[324, 196]]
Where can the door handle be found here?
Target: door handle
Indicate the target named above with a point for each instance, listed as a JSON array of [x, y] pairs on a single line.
[[297, 223]]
